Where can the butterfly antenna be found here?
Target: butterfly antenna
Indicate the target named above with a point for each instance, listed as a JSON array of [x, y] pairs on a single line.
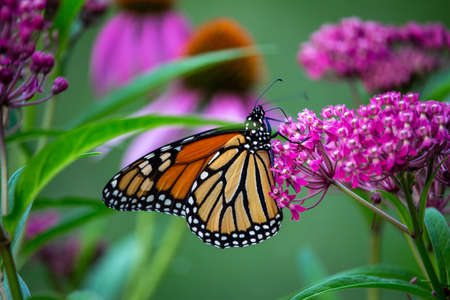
[[266, 90]]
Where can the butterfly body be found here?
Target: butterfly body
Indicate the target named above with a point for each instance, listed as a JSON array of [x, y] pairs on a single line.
[[219, 180]]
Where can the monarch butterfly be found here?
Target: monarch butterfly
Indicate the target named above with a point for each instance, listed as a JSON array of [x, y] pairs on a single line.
[[219, 180]]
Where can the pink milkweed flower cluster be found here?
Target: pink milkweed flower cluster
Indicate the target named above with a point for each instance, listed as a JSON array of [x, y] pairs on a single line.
[[384, 57], [364, 148], [23, 69]]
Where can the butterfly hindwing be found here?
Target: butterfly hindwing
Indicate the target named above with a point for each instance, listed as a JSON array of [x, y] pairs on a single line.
[[229, 205], [161, 180]]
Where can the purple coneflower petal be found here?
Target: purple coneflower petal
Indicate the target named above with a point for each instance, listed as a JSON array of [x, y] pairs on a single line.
[[177, 101]]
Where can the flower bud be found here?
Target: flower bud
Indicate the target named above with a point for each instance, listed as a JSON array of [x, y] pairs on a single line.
[[59, 85]]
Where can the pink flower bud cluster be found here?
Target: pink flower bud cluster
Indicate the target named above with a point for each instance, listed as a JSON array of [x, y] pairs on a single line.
[[362, 147], [383, 57], [23, 70]]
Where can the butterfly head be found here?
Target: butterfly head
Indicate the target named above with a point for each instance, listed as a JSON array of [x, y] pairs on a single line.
[[258, 132]]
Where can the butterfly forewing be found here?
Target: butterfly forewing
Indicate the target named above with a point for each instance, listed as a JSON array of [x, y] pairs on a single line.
[[161, 180]]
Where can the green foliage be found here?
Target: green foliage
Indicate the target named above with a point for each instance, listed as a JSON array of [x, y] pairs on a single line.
[[23, 287], [69, 146], [312, 270], [83, 295], [372, 276], [400, 207], [67, 12], [426, 189], [437, 87], [439, 234], [143, 84], [24, 136], [108, 276]]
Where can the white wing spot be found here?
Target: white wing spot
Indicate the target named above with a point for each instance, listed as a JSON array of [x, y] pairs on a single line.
[[204, 175]]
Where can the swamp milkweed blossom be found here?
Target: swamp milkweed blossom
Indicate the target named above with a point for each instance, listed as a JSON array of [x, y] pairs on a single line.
[[23, 69], [365, 148], [222, 92], [141, 36], [383, 57]]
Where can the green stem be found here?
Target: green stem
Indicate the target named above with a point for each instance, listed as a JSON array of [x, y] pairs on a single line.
[[47, 121], [4, 166], [416, 255], [418, 237], [145, 229], [387, 217], [8, 263], [147, 285], [375, 253]]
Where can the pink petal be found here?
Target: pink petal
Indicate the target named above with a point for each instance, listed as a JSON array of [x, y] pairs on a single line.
[[177, 101]]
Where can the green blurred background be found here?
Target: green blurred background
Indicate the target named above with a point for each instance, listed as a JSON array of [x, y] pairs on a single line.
[[335, 230]]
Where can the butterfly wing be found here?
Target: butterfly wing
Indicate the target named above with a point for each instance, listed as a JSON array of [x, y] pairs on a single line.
[[161, 180], [229, 204]]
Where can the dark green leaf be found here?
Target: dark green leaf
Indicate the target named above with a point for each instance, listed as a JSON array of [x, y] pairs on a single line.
[[108, 276], [44, 298], [401, 208], [439, 234], [425, 192], [142, 85], [344, 282], [11, 191], [67, 12], [438, 87], [61, 229], [312, 270], [32, 134], [68, 147]]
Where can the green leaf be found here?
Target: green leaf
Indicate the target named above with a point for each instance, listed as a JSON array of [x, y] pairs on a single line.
[[437, 87], [83, 295], [142, 85], [23, 136], [312, 270], [401, 208], [439, 234], [67, 12], [108, 276], [44, 298], [61, 229], [426, 189], [23, 288], [23, 219], [83, 155], [368, 277], [69, 146]]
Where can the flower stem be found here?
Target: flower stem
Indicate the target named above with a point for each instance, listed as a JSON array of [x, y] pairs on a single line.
[[387, 217], [4, 166], [8, 264], [418, 236], [375, 253], [47, 121], [147, 286]]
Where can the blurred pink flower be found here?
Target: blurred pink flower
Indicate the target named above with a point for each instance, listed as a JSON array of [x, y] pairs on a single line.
[[135, 42], [41, 222], [384, 57], [223, 92]]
